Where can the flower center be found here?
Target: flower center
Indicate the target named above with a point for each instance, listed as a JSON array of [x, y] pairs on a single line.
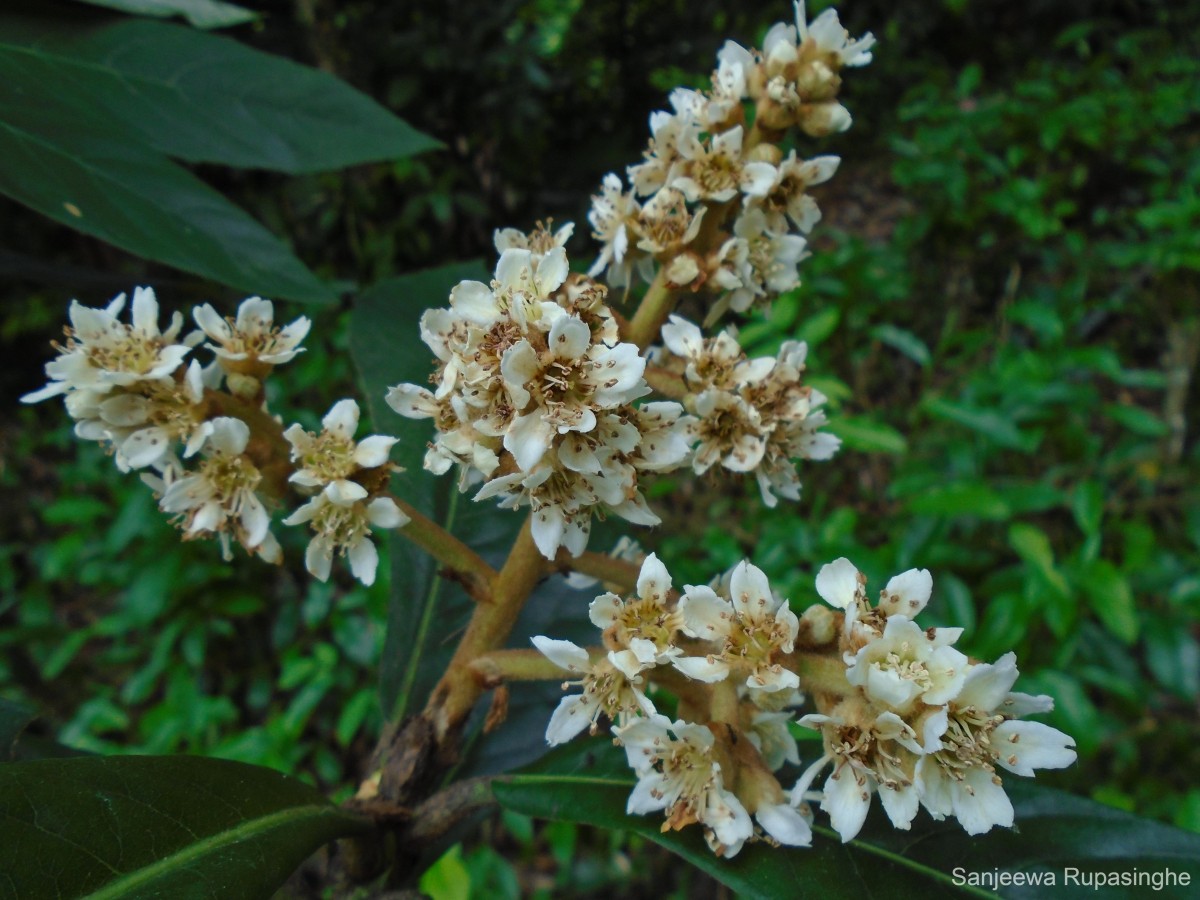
[[345, 526], [330, 457], [122, 351]]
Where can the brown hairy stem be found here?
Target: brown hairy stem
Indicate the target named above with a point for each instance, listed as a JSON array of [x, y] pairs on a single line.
[[455, 695], [610, 570], [461, 562]]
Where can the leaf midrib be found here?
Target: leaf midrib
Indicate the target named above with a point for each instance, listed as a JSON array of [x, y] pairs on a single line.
[[246, 830]]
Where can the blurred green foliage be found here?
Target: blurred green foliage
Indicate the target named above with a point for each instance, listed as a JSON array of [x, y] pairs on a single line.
[[1002, 304]]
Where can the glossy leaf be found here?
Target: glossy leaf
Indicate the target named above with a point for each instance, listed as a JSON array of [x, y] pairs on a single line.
[[151, 826], [589, 782], [14, 719], [199, 13], [145, 204], [193, 96], [425, 609]]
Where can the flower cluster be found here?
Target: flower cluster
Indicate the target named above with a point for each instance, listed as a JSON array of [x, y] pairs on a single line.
[[348, 479], [735, 633], [125, 385], [715, 200], [922, 725], [214, 455], [902, 712], [533, 395], [752, 415]]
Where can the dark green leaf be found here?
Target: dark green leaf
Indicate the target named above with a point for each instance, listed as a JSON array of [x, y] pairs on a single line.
[[155, 827], [425, 610], [588, 781], [1139, 421], [13, 720], [200, 13], [861, 433], [990, 424], [147, 205], [961, 498], [904, 341], [194, 96], [1109, 596]]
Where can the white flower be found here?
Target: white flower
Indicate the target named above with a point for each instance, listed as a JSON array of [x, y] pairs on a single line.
[[344, 529], [866, 758], [714, 169], [145, 424], [568, 383], [903, 666], [788, 197], [751, 415], [612, 210], [102, 354], [770, 735], [329, 460], [763, 265], [678, 772], [977, 734], [841, 585], [830, 37], [219, 497], [668, 132], [645, 626], [611, 686], [538, 242], [251, 340], [752, 631], [665, 225]]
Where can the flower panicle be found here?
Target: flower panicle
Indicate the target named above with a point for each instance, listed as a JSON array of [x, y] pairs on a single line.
[[715, 202], [902, 712], [202, 436]]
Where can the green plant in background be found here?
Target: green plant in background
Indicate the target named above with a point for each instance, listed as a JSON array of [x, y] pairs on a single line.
[[1044, 559]]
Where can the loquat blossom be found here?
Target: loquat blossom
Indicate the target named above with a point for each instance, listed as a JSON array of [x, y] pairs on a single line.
[[751, 632], [331, 459], [610, 686], [102, 353], [343, 528], [646, 625], [219, 498], [538, 242], [751, 415], [251, 344], [920, 724], [535, 395], [678, 772]]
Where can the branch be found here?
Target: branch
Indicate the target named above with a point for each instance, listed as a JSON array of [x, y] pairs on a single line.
[[455, 695], [670, 384], [608, 569], [461, 562]]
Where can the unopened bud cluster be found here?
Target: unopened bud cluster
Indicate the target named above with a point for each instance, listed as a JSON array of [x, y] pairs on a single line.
[[209, 447], [716, 203]]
